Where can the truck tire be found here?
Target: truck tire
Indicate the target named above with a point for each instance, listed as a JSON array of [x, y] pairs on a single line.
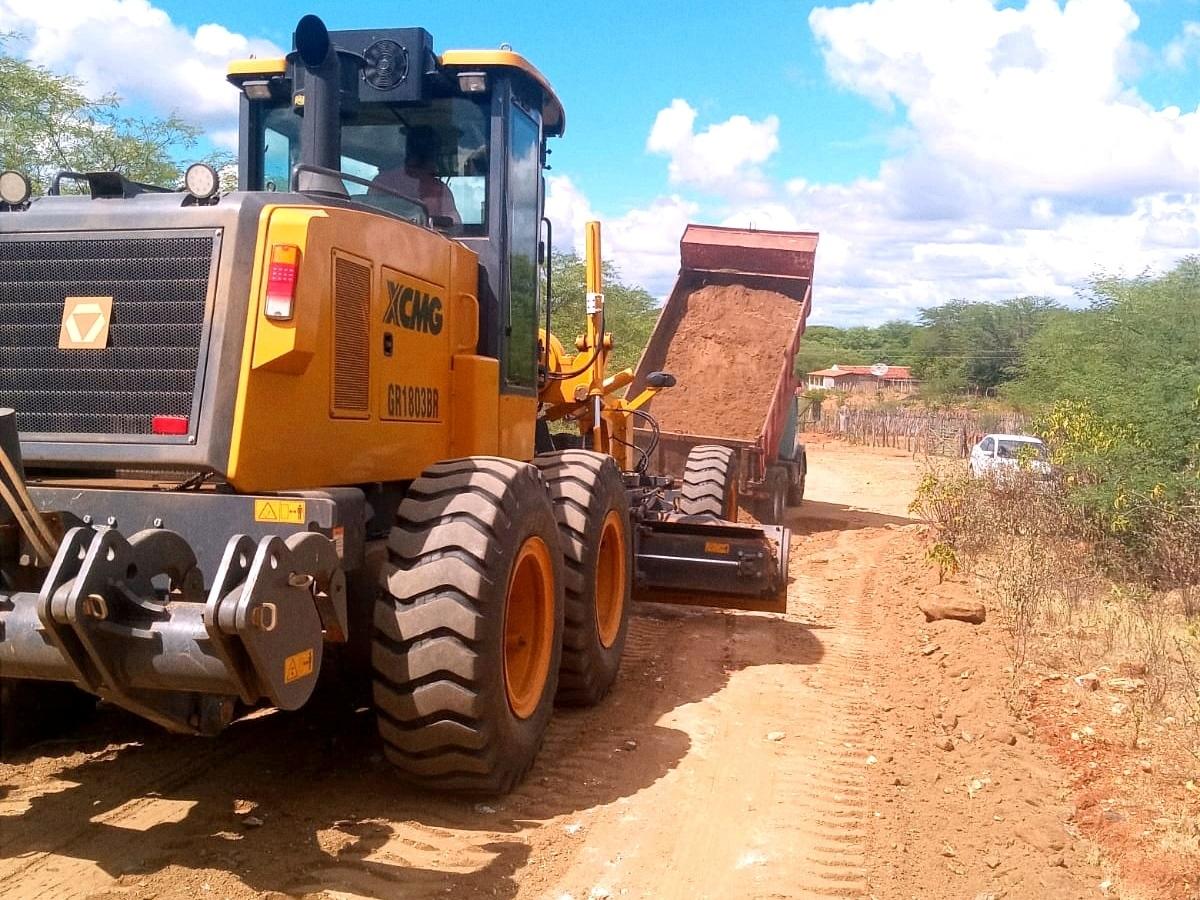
[[775, 495], [468, 633], [710, 482], [799, 475], [592, 509]]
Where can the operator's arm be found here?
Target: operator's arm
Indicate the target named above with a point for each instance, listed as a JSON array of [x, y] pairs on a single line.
[[446, 206]]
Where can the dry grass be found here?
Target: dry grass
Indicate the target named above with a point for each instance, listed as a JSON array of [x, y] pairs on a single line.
[[1070, 603], [1073, 607]]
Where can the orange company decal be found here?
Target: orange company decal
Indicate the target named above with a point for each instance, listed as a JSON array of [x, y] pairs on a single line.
[[297, 666], [716, 547], [85, 322]]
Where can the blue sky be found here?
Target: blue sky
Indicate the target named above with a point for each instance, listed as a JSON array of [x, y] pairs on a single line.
[[943, 148], [614, 70]]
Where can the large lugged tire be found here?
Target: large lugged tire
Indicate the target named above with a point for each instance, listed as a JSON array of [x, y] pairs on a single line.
[[468, 634], [592, 509], [710, 482]]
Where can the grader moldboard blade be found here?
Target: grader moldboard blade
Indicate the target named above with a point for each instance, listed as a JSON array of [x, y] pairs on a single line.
[[706, 561]]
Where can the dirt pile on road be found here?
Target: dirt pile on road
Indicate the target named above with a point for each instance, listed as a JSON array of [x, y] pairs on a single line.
[[726, 355]]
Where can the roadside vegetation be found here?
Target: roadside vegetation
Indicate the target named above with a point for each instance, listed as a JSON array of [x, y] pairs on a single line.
[[957, 349], [49, 124], [629, 311], [1097, 570]]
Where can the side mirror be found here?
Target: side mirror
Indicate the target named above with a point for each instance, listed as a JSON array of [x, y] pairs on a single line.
[[660, 380]]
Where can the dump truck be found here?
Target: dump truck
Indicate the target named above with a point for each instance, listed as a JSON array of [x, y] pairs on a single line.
[[723, 271], [257, 439]]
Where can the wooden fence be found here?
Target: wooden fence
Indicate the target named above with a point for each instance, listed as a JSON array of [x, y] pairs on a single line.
[[917, 431]]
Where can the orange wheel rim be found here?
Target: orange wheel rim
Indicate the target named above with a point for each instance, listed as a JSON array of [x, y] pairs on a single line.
[[528, 627], [610, 579]]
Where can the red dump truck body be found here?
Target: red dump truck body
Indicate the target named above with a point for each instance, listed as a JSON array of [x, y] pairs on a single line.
[[779, 261]]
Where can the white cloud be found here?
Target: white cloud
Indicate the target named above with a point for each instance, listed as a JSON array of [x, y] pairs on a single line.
[[1032, 99], [1029, 162], [568, 210], [872, 266], [723, 158], [1183, 47], [132, 48], [643, 243]]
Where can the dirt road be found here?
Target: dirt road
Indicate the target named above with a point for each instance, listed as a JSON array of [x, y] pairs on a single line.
[[741, 755]]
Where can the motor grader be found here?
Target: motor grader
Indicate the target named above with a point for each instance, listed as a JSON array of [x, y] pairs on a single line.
[[310, 420]]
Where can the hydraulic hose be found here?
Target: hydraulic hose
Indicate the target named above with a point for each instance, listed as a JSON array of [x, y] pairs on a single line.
[[29, 518]]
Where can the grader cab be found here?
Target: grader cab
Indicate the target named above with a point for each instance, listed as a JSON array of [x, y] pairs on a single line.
[[312, 416]]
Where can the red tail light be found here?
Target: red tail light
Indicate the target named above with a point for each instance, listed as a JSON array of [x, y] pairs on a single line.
[[169, 424], [281, 281]]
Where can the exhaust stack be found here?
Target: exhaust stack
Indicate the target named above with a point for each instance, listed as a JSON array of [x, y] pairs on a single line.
[[328, 86]]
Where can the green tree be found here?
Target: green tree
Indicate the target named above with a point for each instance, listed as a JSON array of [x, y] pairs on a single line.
[[824, 345], [964, 345], [629, 311], [1118, 388], [48, 124]]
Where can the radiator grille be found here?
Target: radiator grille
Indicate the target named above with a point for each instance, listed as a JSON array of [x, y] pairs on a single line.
[[351, 336], [159, 287]]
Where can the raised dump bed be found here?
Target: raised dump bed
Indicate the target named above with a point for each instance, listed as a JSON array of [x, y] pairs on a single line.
[[729, 333]]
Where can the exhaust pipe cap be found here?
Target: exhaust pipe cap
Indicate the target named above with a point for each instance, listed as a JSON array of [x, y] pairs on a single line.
[[312, 41]]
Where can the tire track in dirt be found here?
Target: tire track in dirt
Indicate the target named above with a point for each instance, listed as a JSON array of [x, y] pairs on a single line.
[[583, 765], [144, 785], [124, 801], [670, 788], [752, 814], [831, 810]]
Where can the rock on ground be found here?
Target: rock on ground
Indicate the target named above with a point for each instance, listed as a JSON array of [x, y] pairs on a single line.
[[961, 609]]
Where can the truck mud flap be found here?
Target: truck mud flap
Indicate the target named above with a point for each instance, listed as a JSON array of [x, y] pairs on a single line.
[[705, 561]]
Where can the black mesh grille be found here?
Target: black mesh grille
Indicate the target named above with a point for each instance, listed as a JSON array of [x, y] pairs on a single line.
[[158, 285]]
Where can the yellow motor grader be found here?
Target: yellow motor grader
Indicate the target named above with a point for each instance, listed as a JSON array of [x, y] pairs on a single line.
[[249, 431]]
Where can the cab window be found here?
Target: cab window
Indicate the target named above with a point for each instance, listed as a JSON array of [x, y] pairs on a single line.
[[523, 185], [434, 155]]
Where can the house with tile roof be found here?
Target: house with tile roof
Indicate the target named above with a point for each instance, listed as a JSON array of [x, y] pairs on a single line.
[[879, 377]]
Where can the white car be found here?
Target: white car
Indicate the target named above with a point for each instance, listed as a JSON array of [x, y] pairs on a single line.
[[998, 454]]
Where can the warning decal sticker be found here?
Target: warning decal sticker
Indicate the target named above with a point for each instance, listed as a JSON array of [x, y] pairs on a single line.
[[280, 510], [297, 666]]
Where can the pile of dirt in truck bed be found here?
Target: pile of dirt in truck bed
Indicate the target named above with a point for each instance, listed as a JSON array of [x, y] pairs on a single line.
[[726, 355]]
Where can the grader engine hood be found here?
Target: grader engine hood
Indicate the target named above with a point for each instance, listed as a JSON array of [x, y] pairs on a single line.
[[123, 321]]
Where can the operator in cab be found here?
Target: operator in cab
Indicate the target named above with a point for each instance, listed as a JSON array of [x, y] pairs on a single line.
[[419, 178]]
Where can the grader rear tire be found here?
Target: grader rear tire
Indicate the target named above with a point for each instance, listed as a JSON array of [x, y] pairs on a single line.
[[710, 482], [592, 509], [468, 634]]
